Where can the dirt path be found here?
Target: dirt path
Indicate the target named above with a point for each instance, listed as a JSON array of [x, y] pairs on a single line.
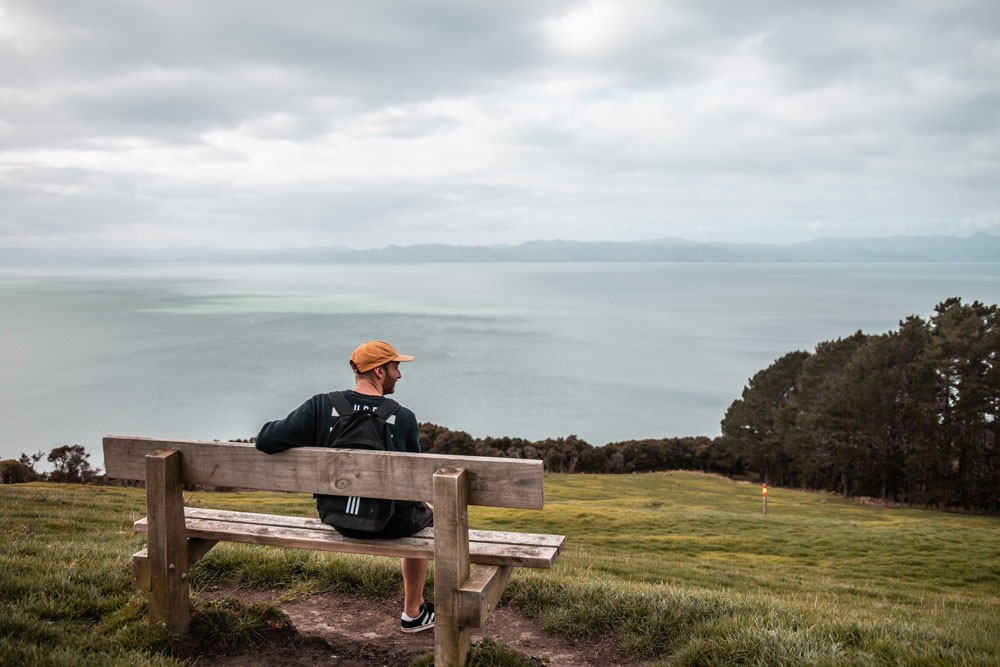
[[347, 631]]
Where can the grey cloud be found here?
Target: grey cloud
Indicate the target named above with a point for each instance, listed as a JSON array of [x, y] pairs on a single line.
[[364, 47], [451, 121], [175, 70]]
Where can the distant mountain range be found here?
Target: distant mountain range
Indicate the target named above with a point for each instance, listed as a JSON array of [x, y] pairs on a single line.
[[980, 247]]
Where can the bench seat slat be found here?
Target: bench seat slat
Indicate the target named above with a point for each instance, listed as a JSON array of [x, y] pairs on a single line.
[[321, 537], [502, 537]]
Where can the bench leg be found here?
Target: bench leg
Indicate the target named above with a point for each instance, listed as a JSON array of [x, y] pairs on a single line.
[[169, 602], [197, 548], [451, 565]]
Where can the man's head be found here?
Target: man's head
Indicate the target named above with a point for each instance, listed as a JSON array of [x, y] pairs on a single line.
[[379, 361], [374, 353]]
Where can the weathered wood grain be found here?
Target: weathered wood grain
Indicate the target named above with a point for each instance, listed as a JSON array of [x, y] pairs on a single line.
[[492, 481], [485, 547], [168, 566], [480, 593], [451, 565], [503, 537], [140, 561]]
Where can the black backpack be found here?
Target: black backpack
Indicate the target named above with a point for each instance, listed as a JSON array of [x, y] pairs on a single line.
[[358, 429]]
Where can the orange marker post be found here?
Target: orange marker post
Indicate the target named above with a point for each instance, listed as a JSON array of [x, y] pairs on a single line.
[[765, 497]]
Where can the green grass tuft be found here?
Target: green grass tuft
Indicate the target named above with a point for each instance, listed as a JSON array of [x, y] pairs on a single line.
[[486, 653], [299, 571], [230, 623]]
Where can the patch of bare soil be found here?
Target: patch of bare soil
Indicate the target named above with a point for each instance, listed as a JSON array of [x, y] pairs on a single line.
[[348, 631]]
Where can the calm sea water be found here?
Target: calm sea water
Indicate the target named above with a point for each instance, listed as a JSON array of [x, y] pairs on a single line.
[[604, 351]]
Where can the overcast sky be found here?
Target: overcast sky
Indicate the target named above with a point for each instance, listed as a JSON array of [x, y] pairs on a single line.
[[253, 124]]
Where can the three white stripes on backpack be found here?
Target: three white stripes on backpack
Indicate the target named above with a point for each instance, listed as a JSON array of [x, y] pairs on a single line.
[[353, 505]]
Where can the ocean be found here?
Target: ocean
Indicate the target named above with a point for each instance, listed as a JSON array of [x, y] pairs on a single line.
[[606, 352]]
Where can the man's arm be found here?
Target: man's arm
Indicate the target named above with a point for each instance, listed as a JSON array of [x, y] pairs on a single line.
[[411, 438], [301, 428]]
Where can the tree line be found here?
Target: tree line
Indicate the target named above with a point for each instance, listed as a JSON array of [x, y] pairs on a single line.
[[908, 416], [70, 464], [574, 455]]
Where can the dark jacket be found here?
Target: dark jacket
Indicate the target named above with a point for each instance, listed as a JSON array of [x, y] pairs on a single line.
[[309, 424]]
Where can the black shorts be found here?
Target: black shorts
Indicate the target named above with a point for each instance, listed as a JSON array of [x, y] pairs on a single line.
[[408, 519]]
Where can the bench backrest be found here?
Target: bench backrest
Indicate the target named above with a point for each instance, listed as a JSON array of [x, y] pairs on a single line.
[[494, 482]]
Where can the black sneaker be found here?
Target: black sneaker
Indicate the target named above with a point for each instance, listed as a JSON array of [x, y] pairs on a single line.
[[425, 621]]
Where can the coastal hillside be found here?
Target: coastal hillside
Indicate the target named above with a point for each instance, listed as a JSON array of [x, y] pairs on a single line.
[[660, 569]]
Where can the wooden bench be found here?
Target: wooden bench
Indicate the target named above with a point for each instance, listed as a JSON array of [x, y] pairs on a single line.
[[471, 567]]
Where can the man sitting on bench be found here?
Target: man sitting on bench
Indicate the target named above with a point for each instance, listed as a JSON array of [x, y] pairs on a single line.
[[312, 424]]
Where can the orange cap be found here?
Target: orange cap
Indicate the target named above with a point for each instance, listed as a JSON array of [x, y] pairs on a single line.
[[373, 353]]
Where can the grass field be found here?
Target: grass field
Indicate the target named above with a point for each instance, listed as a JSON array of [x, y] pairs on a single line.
[[682, 568]]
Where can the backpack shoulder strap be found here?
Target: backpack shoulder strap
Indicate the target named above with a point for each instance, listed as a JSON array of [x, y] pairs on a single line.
[[340, 403], [387, 408]]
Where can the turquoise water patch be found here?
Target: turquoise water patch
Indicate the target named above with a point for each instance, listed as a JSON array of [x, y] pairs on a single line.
[[315, 304], [301, 305]]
